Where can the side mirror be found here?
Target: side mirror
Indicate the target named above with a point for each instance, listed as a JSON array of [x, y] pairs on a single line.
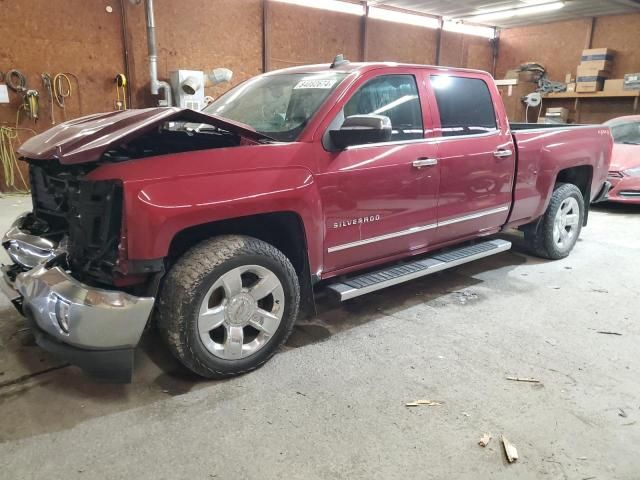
[[360, 129]]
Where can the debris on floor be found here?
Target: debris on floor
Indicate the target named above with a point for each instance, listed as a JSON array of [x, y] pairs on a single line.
[[622, 413], [523, 379], [465, 295], [423, 403], [509, 449], [604, 332], [484, 440]]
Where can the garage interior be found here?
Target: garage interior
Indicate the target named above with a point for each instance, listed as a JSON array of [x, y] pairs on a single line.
[[542, 353]]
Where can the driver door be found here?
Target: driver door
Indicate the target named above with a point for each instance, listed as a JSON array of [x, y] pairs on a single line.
[[380, 199]]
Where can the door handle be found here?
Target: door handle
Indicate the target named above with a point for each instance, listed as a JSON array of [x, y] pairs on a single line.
[[502, 153], [425, 162]]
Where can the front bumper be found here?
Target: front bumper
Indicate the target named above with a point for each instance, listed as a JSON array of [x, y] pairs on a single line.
[[625, 190], [93, 328]]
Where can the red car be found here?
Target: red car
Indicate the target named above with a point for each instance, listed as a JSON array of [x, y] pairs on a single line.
[[624, 173], [220, 225]]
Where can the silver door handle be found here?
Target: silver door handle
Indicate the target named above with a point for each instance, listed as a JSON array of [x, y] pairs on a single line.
[[425, 162], [502, 153]]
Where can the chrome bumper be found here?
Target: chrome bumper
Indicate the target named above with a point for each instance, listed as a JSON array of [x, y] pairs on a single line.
[[65, 309], [25, 249], [79, 315]]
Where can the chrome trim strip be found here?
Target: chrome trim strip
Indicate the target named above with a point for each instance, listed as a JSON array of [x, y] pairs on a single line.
[[473, 216], [379, 238], [412, 230], [423, 140]]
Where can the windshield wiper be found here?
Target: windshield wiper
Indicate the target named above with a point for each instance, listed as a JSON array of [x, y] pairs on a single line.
[[631, 143]]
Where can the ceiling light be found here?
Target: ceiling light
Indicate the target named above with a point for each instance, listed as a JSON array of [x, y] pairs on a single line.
[[333, 5], [515, 12], [402, 17], [458, 27]]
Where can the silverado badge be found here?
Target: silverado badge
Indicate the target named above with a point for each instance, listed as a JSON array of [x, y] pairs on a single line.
[[356, 221]]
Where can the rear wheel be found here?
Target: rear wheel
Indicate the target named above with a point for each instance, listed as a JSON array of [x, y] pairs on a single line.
[[561, 224], [228, 304]]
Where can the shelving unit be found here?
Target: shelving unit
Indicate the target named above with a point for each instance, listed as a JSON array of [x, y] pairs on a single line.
[[635, 94]]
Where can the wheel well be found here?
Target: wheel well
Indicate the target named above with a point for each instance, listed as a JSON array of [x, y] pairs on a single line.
[[283, 230], [581, 177]]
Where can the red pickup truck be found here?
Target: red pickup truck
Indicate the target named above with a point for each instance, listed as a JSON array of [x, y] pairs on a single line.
[[219, 225]]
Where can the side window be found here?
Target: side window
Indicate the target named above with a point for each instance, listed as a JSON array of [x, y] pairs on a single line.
[[465, 105], [394, 96]]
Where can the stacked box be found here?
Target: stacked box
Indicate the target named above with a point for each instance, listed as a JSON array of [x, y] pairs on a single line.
[[597, 59], [559, 114], [594, 69], [614, 85]]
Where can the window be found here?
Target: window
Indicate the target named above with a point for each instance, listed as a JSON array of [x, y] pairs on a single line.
[[278, 105], [394, 96], [465, 105]]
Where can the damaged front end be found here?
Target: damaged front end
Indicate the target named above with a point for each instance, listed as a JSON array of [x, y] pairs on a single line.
[[70, 275], [64, 257]]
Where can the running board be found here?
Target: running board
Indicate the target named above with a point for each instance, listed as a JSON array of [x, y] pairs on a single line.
[[370, 282]]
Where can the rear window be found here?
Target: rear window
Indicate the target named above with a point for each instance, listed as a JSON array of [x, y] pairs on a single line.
[[465, 105]]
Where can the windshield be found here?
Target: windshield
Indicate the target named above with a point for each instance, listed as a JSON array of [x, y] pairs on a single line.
[[627, 132], [279, 106]]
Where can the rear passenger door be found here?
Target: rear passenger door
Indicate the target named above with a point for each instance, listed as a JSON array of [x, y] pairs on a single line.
[[475, 153]]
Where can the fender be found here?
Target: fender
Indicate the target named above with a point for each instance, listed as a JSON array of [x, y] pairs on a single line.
[[541, 160], [156, 212], [165, 195]]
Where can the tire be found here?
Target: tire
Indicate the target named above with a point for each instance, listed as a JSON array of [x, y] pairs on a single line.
[[548, 240], [216, 281]]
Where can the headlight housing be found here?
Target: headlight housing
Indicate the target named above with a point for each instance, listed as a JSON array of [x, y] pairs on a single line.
[[632, 172]]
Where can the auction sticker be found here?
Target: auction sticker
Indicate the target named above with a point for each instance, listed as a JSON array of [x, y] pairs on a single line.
[[319, 83]]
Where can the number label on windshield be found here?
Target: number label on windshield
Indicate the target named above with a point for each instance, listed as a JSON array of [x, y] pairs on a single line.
[[319, 83]]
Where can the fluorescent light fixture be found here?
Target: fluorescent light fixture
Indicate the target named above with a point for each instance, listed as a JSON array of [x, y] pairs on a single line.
[[516, 12], [402, 17], [333, 5], [458, 27]]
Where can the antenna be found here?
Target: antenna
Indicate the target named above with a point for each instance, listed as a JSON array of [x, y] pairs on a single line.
[[339, 60]]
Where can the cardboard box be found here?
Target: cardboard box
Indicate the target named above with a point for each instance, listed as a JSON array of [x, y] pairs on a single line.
[[598, 65], [614, 85], [631, 81], [571, 87], [591, 72], [597, 54], [590, 87], [590, 80], [558, 113]]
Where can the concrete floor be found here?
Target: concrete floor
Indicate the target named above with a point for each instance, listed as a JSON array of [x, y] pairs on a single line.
[[332, 404]]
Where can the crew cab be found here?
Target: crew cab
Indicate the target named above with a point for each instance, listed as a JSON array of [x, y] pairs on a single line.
[[217, 226]]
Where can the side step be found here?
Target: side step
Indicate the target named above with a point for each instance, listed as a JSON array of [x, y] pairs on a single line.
[[399, 273]]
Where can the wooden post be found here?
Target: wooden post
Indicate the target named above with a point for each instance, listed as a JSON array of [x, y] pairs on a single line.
[[438, 41], [266, 51], [589, 38], [364, 33]]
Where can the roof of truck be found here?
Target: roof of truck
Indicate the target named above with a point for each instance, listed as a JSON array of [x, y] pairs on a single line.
[[349, 67]]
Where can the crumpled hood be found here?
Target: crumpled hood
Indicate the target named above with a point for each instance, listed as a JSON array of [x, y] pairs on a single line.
[[85, 139], [624, 157]]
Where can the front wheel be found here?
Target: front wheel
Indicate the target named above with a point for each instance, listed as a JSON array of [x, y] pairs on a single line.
[[228, 304], [560, 226]]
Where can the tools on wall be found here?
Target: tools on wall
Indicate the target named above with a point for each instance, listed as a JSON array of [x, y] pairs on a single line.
[[121, 88], [17, 82]]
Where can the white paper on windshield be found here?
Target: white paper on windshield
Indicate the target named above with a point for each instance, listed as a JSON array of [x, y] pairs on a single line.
[[318, 83]]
